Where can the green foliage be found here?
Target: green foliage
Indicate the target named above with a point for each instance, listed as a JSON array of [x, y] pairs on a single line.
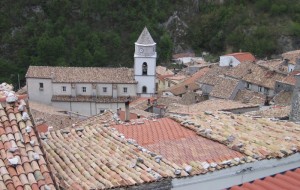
[[103, 32]]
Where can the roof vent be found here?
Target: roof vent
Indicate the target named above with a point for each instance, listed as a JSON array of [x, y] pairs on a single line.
[[13, 161]]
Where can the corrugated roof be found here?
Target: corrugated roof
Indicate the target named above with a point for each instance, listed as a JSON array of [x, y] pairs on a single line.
[[145, 38], [287, 180], [22, 161], [82, 74]]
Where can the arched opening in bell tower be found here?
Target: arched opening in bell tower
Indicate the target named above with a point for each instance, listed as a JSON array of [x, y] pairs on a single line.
[[145, 68]]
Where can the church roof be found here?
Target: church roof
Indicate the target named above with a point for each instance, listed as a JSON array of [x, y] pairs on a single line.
[[83, 74], [145, 38]]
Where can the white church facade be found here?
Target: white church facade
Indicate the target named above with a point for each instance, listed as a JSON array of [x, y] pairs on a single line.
[[91, 90]]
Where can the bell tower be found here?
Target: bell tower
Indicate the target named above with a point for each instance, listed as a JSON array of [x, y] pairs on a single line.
[[145, 64]]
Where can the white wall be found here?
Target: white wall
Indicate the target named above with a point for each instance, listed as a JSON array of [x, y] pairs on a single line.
[[149, 82], [227, 59], [100, 90], [131, 89], [291, 67], [79, 91], [138, 65], [39, 95], [58, 89], [88, 108]]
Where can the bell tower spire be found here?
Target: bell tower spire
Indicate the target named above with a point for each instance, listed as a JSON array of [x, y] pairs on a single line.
[[145, 64]]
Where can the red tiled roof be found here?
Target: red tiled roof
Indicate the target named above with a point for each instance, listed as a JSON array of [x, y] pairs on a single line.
[[42, 128], [176, 143], [132, 115], [95, 156], [20, 143], [242, 56], [20, 97], [288, 180], [180, 88], [290, 79]]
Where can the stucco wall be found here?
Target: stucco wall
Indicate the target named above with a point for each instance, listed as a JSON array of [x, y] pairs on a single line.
[[58, 89], [291, 67], [88, 108], [227, 60], [100, 91], [39, 95], [282, 86], [79, 87]]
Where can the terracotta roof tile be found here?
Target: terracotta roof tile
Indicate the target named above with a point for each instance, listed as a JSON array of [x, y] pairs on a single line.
[[259, 138], [101, 99], [98, 156], [190, 82], [224, 88], [242, 56], [176, 143], [15, 134], [256, 74], [287, 180], [212, 105], [247, 96], [82, 74], [291, 56], [290, 79], [163, 71]]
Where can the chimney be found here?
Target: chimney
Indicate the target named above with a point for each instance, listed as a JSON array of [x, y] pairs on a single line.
[[295, 110], [127, 113], [297, 66]]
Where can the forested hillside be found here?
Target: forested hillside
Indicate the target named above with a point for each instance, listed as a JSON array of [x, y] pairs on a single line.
[[103, 32]]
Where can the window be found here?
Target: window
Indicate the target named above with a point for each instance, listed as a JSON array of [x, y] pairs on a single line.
[[41, 86], [104, 89], [125, 89], [64, 88], [83, 89], [145, 68], [248, 85], [144, 89], [260, 89], [102, 110]]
